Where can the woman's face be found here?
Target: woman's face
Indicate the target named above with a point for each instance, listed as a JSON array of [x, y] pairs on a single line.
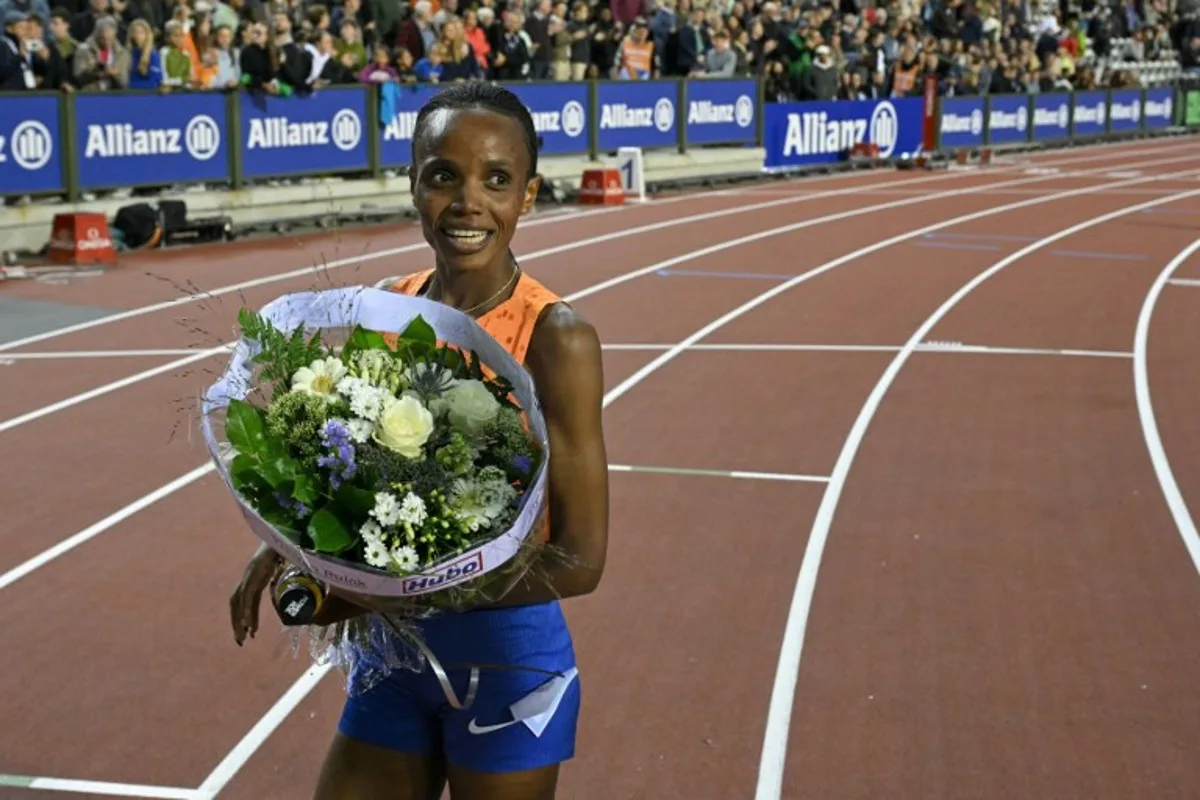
[[469, 186]]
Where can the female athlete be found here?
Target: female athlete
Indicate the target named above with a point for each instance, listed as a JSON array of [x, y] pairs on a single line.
[[474, 175]]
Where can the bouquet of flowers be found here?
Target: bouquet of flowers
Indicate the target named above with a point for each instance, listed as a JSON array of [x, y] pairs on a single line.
[[384, 444]]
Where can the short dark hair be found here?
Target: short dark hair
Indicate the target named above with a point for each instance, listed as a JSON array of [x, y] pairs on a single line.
[[485, 95]]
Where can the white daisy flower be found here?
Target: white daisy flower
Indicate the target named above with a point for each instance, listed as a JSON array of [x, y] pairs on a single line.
[[321, 377], [371, 532], [387, 509], [377, 554], [360, 430], [366, 401], [412, 510], [405, 558]]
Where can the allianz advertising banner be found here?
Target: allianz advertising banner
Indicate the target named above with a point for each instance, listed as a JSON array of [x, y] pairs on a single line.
[[800, 134], [721, 111], [1125, 110], [1051, 116], [31, 154], [559, 114], [962, 122], [1159, 109], [129, 139], [322, 132], [636, 114], [1090, 113], [1008, 118]]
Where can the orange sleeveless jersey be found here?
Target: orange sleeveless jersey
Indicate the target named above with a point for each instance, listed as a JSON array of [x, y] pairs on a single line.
[[511, 323]]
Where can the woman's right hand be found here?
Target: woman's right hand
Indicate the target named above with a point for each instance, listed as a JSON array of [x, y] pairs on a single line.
[[245, 600]]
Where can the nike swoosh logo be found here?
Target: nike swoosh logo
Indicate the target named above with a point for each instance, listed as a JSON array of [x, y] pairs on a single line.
[[478, 729]]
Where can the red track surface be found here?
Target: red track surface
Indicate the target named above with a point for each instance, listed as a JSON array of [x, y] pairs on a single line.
[[1004, 604]]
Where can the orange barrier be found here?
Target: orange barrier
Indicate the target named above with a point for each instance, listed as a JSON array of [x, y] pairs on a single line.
[[81, 239]]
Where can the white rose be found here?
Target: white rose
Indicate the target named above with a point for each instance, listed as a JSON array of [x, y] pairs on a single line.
[[404, 426], [470, 406]]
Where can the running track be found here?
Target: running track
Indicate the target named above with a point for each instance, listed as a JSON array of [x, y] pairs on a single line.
[[899, 499]]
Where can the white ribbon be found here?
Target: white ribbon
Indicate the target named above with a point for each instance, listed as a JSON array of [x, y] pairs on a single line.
[[384, 312]]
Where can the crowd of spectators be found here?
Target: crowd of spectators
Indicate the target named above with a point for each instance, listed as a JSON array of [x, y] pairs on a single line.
[[804, 50]]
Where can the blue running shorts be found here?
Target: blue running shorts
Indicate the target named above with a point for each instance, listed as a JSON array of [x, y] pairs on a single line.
[[408, 711]]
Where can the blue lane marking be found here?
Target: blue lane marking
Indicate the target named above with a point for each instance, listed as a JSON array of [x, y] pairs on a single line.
[[701, 273], [957, 246], [1109, 256]]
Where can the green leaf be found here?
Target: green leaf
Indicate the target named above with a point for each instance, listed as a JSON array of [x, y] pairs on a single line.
[[283, 522], [245, 429], [355, 500], [328, 534], [362, 339], [420, 331], [306, 489], [246, 478], [279, 471]]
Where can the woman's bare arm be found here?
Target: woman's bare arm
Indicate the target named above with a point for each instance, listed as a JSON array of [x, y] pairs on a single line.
[[565, 360]]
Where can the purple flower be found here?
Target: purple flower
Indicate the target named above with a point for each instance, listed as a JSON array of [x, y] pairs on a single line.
[[298, 509], [340, 456], [523, 463]]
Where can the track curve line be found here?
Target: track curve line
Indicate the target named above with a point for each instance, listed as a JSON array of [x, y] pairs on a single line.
[[611, 236], [201, 355], [771, 765], [1145, 408]]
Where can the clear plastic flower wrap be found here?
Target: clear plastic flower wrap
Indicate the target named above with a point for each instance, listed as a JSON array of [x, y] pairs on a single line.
[[389, 447]]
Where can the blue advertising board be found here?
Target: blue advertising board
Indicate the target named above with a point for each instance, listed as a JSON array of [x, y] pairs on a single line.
[[1125, 110], [961, 124], [1008, 118], [128, 139], [559, 114], [721, 111], [799, 134], [1159, 108], [398, 121], [1051, 116], [321, 132], [1090, 112], [636, 114], [30, 150]]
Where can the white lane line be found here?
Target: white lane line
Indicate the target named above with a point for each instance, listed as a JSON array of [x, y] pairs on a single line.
[[262, 730], [109, 788], [1184, 282], [720, 473], [780, 709], [924, 347], [372, 255], [614, 394], [1141, 385], [90, 354], [379, 254], [94, 530], [201, 355]]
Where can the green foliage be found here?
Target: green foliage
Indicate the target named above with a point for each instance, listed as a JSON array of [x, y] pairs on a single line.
[[328, 534], [455, 456], [280, 354], [296, 418]]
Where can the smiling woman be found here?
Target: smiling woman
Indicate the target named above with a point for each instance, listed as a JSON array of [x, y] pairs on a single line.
[[474, 175]]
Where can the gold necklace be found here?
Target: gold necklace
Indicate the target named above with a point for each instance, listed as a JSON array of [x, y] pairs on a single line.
[[503, 289]]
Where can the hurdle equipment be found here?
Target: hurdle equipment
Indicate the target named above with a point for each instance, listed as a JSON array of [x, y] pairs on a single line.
[[601, 187], [81, 238]]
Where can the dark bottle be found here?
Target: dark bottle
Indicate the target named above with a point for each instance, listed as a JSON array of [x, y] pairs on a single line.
[[297, 596]]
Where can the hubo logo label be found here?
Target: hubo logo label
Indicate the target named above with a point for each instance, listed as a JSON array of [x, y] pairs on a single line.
[[344, 132], [706, 112], [200, 139], [959, 123], [30, 147], [999, 120], [569, 121], [452, 573], [619, 115], [1093, 114], [812, 132], [1122, 112], [1052, 117]]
